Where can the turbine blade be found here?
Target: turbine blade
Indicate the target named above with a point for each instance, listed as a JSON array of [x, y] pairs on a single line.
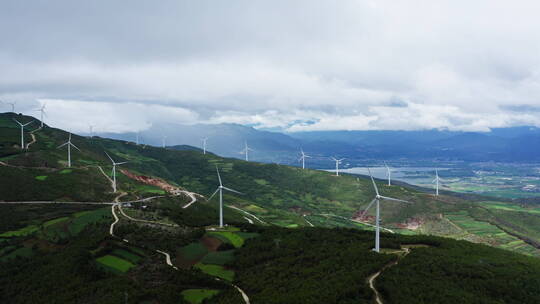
[[17, 122], [109, 157], [232, 190], [211, 196], [373, 181], [367, 208], [75, 147], [219, 176], [62, 145], [394, 199], [121, 163]]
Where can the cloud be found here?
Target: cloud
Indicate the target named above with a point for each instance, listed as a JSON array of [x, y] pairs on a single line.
[[295, 66], [77, 116]]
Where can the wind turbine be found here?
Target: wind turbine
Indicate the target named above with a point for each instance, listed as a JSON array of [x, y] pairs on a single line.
[[163, 138], [22, 131], [246, 150], [220, 189], [377, 199], [42, 112], [436, 181], [338, 161], [12, 106], [388, 174], [69, 145], [114, 164], [91, 130], [303, 158], [204, 144]]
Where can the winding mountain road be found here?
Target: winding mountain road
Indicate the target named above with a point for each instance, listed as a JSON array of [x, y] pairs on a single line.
[[371, 279]]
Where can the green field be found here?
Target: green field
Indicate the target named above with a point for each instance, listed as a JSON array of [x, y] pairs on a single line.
[[491, 234], [219, 257], [193, 251], [197, 296], [216, 271], [124, 254], [509, 207], [21, 232], [115, 263], [228, 237]]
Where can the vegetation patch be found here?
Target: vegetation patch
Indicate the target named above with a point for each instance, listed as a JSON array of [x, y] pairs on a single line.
[[124, 254], [193, 251], [216, 271], [197, 296], [219, 257], [228, 237], [41, 177], [115, 263], [55, 221], [66, 171], [20, 252], [21, 232]]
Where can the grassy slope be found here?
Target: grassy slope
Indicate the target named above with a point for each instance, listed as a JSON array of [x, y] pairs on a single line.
[[277, 194]]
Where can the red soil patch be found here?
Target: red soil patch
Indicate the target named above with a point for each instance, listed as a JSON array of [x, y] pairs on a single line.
[[152, 181], [412, 224], [211, 243]]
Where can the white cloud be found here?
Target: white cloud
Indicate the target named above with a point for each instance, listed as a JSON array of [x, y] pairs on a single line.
[[76, 116], [307, 65]]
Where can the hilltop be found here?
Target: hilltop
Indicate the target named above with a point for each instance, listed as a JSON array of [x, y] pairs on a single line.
[[166, 210]]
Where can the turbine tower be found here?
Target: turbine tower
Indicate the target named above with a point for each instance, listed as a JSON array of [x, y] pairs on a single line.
[[436, 181], [388, 174], [163, 139], [42, 112], [338, 161], [69, 145], [377, 199], [22, 131], [246, 150], [220, 190], [204, 144], [91, 130], [114, 164], [303, 158], [12, 106]]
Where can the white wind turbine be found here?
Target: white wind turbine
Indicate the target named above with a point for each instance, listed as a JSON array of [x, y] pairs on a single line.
[[220, 189], [91, 130], [246, 150], [338, 161], [204, 144], [12, 106], [22, 131], [163, 139], [42, 112], [69, 145], [303, 158], [436, 181], [114, 164], [388, 174], [377, 199]]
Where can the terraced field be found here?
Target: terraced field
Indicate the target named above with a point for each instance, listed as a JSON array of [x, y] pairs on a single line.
[[477, 231]]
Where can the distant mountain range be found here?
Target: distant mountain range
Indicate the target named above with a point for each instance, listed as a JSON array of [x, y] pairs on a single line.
[[516, 144]]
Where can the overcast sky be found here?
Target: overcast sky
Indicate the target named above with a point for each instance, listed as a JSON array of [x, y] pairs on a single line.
[[286, 65]]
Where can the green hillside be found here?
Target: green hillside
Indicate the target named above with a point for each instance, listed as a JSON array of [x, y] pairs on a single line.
[[113, 252]]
